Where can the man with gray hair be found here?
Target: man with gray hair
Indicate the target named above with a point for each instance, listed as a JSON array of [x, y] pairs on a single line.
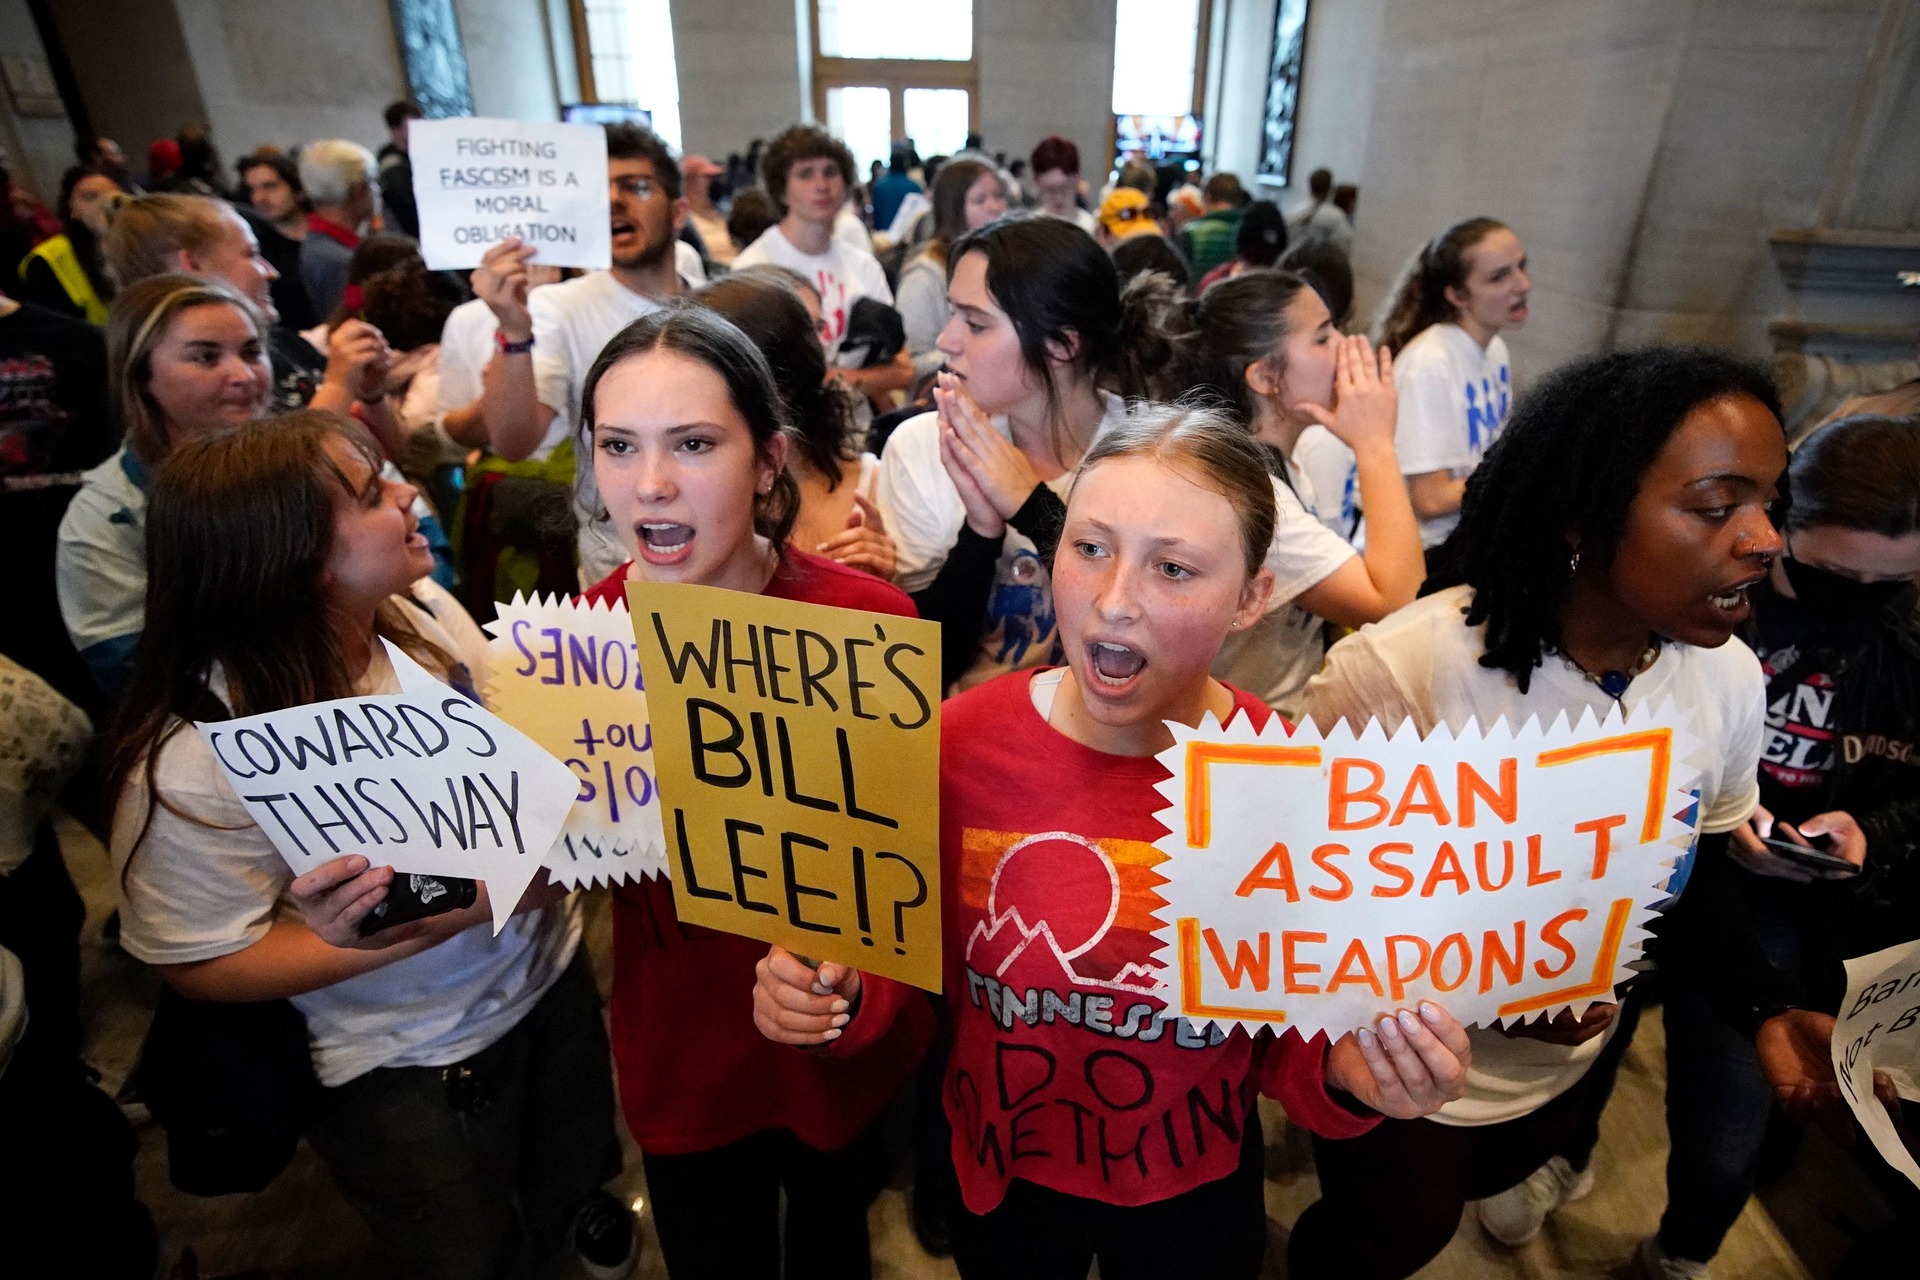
[[342, 183]]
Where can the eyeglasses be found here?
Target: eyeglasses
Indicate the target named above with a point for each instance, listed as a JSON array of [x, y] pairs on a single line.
[[630, 185]]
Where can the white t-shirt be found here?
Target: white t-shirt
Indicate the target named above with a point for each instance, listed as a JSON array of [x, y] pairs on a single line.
[[850, 231], [1330, 469], [196, 892], [1454, 399], [686, 260], [1275, 657], [924, 513], [466, 345], [1423, 663], [843, 275], [1080, 218], [572, 322]]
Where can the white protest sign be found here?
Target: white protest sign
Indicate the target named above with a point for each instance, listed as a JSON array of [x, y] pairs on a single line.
[[1317, 882], [567, 674], [478, 181], [422, 780], [1879, 1030]]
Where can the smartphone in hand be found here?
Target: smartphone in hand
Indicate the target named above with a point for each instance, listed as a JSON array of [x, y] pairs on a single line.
[[1811, 856], [415, 897]]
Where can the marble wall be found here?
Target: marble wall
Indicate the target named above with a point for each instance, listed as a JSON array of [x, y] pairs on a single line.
[[1643, 149], [257, 71]]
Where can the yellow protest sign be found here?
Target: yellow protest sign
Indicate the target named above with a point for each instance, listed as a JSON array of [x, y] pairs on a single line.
[[797, 750], [564, 672]]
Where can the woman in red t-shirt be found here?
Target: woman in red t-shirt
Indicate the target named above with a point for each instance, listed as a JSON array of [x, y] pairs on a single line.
[[1088, 1122], [689, 457]]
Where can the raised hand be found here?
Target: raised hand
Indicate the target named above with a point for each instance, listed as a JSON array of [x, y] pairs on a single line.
[[358, 360], [1365, 404], [983, 517], [999, 470], [501, 281], [1408, 1065], [864, 543]]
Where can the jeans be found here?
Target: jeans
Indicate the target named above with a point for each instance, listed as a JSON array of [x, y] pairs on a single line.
[[1718, 1102], [480, 1176]]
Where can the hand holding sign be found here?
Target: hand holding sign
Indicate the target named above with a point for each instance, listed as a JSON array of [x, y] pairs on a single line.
[[798, 755], [1320, 881], [422, 780], [1876, 1047], [478, 182]]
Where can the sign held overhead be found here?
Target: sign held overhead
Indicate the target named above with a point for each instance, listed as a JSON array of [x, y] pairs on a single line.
[[479, 181]]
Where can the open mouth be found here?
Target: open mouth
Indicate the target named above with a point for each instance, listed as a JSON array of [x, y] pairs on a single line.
[[621, 227], [1114, 666], [662, 542], [1733, 601]]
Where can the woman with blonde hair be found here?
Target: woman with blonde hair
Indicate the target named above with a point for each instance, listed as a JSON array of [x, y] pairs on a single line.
[[186, 358]]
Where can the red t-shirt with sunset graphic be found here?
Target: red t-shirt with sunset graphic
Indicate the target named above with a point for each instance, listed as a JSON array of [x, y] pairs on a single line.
[[1064, 1070]]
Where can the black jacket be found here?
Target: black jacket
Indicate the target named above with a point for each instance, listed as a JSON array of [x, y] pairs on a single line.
[[1715, 937]]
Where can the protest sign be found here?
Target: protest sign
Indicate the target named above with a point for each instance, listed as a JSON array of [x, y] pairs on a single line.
[[1879, 1031], [478, 181], [423, 780], [798, 749], [1320, 881], [567, 674]]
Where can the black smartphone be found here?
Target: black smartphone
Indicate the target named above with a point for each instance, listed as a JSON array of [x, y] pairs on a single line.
[[415, 897], [1811, 857]]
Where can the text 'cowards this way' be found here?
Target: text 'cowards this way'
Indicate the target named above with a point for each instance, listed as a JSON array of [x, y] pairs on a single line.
[[567, 674], [1319, 881], [478, 181], [423, 780], [798, 753]]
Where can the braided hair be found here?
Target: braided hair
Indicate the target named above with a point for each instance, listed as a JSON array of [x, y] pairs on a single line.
[[1562, 474]]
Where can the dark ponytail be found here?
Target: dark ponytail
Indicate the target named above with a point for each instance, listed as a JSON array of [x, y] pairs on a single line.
[[1240, 321], [1057, 285], [766, 306], [1420, 301], [1859, 472]]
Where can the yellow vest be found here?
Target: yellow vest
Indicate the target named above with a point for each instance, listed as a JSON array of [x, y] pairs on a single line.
[[58, 253]]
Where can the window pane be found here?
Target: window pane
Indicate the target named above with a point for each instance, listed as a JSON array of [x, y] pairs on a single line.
[[1154, 45], [937, 29], [654, 77], [860, 116], [936, 120]]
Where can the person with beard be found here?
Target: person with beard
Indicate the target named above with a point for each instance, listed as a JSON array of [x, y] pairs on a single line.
[[549, 340], [1837, 635], [65, 273], [272, 185]]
